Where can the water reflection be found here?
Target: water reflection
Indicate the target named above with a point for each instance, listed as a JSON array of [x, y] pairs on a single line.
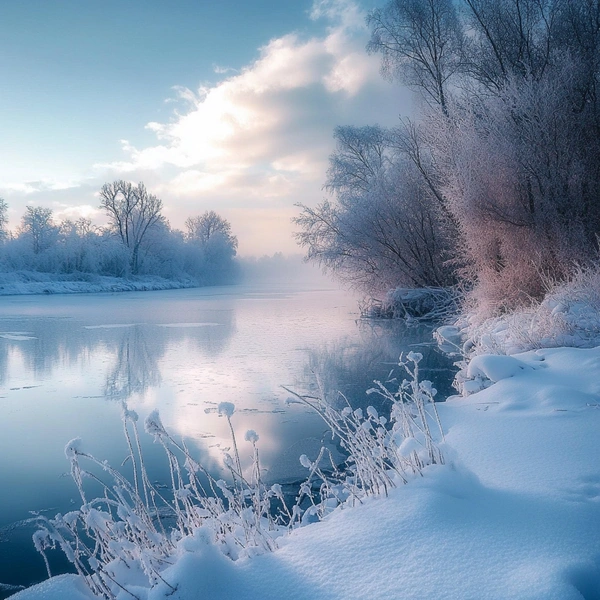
[[131, 352], [135, 367], [343, 370], [39, 343]]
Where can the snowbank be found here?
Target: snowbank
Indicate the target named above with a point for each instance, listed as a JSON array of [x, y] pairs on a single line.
[[569, 316], [31, 282], [515, 514]]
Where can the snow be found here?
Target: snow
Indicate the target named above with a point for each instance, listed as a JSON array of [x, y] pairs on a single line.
[[494, 367], [226, 409], [33, 282], [514, 513]]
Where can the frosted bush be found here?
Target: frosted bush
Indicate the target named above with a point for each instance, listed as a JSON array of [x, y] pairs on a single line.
[[373, 441], [251, 436], [131, 532], [226, 409], [568, 315], [424, 304]]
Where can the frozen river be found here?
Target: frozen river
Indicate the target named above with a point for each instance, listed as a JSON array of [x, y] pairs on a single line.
[[68, 363]]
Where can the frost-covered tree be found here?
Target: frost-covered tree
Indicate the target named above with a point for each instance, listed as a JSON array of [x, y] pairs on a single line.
[[38, 228], [211, 249], [201, 229], [522, 184], [79, 246], [3, 220], [383, 228], [132, 212], [138, 240], [509, 38], [164, 252], [508, 143], [421, 42], [360, 158]]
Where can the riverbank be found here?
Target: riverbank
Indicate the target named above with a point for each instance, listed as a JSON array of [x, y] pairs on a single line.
[[514, 513], [32, 282]]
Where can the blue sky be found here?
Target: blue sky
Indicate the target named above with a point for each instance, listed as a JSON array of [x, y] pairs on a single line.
[[226, 105]]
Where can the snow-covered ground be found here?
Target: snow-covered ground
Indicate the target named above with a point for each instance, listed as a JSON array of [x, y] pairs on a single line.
[[515, 512], [32, 282]]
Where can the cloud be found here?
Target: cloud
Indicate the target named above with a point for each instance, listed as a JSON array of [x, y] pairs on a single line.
[[223, 70], [64, 211], [66, 199], [344, 13], [34, 187], [261, 137]]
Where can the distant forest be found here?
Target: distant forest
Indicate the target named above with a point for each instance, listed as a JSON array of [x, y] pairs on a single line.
[[138, 240], [494, 185]]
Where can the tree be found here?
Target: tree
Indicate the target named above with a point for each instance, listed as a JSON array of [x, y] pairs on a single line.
[[509, 139], [79, 244], [165, 251], [201, 229], [212, 248], [509, 38], [520, 172], [383, 229], [360, 157], [38, 227], [3, 220], [132, 212], [421, 42]]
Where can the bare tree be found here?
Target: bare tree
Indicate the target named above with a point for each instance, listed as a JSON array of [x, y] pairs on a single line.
[[201, 229], [421, 42], [509, 142], [132, 212], [510, 37], [360, 157], [520, 172]]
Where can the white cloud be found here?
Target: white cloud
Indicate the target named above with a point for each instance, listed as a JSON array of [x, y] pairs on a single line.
[[224, 70], [33, 187], [344, 13], [86, 211], [25, 187]]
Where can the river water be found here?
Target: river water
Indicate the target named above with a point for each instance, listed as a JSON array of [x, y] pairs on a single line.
[[68, 363]]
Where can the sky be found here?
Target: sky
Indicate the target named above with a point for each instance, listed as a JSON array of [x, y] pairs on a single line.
[[227, 106]]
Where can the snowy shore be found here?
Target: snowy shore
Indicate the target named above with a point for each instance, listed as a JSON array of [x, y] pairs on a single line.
[[515, 512], [31, 282]]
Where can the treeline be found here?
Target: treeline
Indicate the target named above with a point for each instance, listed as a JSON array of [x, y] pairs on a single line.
[[137, 241], [495, 185]]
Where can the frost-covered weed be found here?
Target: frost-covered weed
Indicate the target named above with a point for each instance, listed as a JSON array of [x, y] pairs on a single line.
[[383, 451], [129, 534]]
